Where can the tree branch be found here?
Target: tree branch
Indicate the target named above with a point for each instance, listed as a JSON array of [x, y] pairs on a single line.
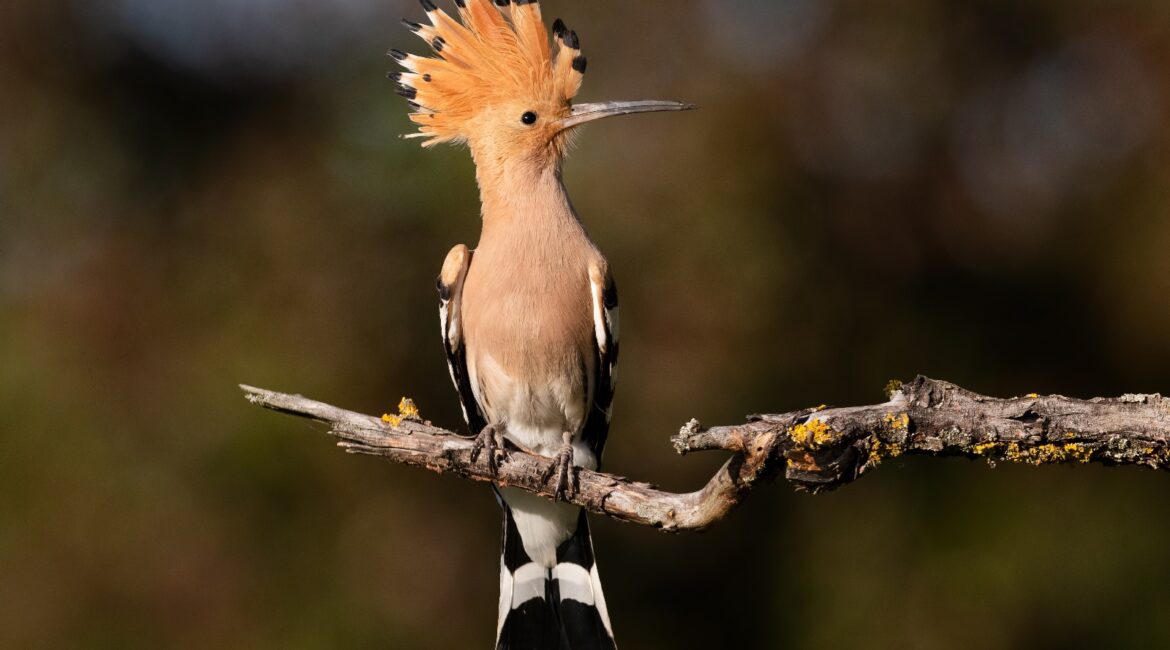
[[817, 449]]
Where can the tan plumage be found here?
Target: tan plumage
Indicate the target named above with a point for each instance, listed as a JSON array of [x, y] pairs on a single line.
[[529, 318], [527, 306]]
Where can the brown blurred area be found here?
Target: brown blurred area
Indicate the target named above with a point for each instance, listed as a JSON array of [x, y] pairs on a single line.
[[197, 193]]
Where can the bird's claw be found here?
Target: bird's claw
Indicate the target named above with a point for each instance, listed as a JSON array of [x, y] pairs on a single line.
[[566, 473], [489, 443]]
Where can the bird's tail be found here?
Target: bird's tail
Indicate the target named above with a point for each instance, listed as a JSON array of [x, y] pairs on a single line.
[[551, 603]]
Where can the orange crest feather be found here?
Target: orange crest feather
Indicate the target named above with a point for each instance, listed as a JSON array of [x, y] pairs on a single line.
[[492, 54]]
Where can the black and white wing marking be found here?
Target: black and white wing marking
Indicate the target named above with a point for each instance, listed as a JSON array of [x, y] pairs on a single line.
[[450, 286], [605, 336]]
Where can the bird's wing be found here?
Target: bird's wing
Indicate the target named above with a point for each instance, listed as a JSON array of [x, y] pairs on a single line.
[[605, 337], [450, 286]]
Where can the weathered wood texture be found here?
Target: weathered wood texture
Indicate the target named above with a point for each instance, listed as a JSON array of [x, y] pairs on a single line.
[[815, 449]]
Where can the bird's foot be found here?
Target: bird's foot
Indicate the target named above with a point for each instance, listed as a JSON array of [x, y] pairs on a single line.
[[564, 470], [489, 442]]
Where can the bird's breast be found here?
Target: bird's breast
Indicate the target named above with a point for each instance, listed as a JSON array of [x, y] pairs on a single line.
[[528, 341]]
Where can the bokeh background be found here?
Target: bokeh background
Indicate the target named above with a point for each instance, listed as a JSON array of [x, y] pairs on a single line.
[[197, 193]]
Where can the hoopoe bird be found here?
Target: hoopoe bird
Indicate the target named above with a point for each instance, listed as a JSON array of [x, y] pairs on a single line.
[[530, 317]]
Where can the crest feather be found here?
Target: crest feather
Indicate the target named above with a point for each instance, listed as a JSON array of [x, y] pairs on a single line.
[[491, 54]]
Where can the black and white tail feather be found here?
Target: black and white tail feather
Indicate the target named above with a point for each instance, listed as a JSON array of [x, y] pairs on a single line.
[[543, 605], [562, 607]]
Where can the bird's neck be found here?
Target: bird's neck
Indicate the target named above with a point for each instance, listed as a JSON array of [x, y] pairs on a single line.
[[531, 198]]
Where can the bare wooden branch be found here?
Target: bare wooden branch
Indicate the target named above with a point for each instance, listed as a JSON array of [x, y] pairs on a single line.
[[817, 449]]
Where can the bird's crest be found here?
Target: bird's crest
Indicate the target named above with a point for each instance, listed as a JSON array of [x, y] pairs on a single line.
[[497, 51]]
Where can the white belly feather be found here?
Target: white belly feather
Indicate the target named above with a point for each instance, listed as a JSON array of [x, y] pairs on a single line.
[[535, 418]]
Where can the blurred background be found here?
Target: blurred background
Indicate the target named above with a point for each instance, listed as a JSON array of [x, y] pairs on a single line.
[[198, 193]]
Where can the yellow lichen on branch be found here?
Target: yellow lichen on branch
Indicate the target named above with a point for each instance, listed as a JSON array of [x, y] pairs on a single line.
[[986, 448], [812, 434], [879, 451], [898, 422], [407, 410], [1045, 454], [1049, 453]]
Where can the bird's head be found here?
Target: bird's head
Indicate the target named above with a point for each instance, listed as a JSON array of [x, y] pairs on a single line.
[[497, 84]]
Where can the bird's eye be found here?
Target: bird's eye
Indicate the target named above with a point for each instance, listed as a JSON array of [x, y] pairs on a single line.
[[528, 117]]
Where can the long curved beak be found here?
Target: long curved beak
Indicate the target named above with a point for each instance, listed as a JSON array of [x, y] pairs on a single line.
[[583, 113]]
